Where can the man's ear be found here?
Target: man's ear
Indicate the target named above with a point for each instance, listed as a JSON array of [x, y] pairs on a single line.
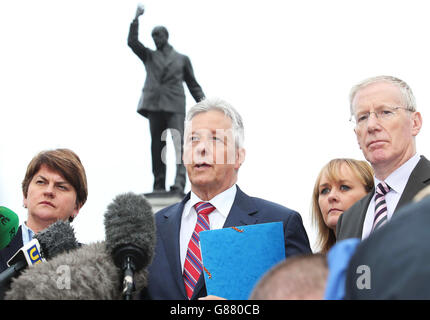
[[240, 158], [355, 131], [417, 122]]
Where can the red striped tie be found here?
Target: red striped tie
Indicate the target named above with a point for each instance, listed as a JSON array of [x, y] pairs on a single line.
[[193, 262]]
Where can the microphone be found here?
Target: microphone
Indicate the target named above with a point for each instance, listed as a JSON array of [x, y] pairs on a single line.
[[48, 243], [59, 237], [130, 236], [95, 271], [9, 223]]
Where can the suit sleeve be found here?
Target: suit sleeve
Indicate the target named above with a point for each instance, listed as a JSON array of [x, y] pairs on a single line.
[[192, 84], [133, 41], [296, 238]]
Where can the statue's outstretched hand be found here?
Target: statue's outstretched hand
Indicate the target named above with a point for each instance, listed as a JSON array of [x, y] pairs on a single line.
[[140, 10]]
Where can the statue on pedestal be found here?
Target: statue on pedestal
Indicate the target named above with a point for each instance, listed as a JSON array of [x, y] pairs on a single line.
[[163, 100]]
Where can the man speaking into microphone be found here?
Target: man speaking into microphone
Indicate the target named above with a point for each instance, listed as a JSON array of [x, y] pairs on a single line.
[[54, 188], [213, 154]]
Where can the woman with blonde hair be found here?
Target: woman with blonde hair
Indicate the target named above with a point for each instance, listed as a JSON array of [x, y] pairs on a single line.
[[340, 183]]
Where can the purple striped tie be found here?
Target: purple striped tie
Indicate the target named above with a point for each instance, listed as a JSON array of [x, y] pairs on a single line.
[[193, 262], [380, 205]]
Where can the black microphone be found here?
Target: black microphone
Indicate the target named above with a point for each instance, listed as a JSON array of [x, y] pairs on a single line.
[[90, 272], [130, 236], [57, 238]]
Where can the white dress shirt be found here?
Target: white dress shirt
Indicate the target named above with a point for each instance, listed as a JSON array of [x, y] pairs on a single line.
[[27, 234], [397, 181], [222, 203]]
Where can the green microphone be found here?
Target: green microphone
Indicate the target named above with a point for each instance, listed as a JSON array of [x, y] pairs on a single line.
[[9, 223]]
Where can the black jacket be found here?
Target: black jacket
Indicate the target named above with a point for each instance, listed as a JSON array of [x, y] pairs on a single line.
[[350, 223]]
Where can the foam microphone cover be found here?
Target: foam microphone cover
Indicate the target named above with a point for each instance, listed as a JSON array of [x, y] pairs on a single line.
[[9, 223], [59, 237], [87, 273], [91, 269], [129, 221]]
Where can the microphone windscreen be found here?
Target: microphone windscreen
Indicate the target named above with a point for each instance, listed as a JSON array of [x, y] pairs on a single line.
[[129, 220], [59, 237], [9, 223], [87, 273]]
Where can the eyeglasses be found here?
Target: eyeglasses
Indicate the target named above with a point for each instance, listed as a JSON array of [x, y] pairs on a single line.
[[384, 114]]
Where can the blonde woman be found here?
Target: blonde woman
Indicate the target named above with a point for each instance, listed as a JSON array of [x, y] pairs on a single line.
[[340, 183]]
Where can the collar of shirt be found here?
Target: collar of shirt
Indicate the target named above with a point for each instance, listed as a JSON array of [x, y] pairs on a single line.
[[222, 202], [27, 233], [397, 180]]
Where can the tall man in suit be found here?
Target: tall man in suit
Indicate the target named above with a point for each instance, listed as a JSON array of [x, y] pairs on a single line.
[[163, 98], [213, 154], [386, 124]]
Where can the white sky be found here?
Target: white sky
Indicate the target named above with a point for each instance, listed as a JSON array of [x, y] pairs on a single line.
[[68, 79]]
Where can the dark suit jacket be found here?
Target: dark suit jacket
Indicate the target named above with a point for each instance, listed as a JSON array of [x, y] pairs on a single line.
[[165, 272], [7, 252], [350, 223], [165, 73], [399, 271]]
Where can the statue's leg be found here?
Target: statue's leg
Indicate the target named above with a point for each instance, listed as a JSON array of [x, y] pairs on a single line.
[[157, 125], [175, 122]]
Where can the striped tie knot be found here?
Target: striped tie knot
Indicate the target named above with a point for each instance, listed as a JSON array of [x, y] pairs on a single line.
[[380, 217], [382, 188], [204, 208]]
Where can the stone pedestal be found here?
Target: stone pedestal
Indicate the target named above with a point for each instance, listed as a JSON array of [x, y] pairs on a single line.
[[161, 200]]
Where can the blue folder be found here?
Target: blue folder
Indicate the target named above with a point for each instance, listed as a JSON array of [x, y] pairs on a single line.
[[234, 259]]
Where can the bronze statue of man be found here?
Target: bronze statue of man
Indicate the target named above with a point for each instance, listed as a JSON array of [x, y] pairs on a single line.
[[163, 98]]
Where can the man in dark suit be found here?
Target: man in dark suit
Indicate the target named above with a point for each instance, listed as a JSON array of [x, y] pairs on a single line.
[[163, 98], [213, 154], [386, 124], [385, 269]]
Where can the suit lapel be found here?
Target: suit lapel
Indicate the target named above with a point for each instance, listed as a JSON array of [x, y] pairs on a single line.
[[350, 224], [168, 60], [243, 212], [170, 235], [419, 178], [363, 211]]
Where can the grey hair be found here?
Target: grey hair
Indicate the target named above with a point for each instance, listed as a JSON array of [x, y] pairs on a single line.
[[223, 106], [404, 88]]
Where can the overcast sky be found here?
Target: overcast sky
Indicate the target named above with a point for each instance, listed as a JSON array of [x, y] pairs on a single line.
[[68, 79]]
